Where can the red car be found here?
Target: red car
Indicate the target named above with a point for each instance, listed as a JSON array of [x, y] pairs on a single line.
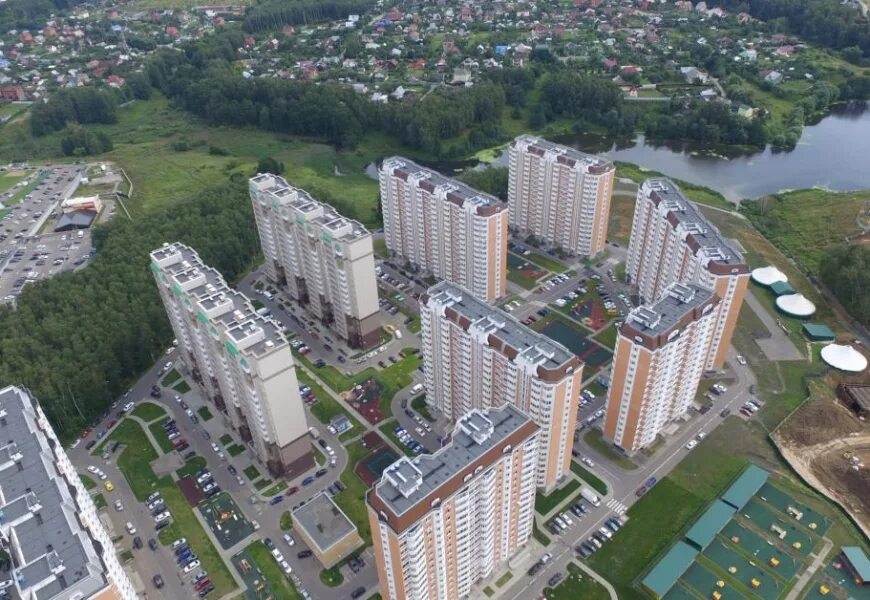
[[111, 423], [179, 442], [86, 432], [291, 491], [202, 583]]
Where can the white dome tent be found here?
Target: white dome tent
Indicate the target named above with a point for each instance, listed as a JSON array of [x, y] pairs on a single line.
[[796, 305], [768, 275], [845, 358]]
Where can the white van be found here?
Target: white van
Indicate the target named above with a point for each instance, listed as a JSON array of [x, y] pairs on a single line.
[[417, 388]]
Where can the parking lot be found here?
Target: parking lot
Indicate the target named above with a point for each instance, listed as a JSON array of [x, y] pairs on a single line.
[[26, 256]]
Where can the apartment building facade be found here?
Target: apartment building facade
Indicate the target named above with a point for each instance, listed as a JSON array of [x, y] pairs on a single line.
[[476, 356], [49, 525], [658, 364], [560, 194], [441, 522], [445, 227], [241, 359], [671, 242], [323, 260]]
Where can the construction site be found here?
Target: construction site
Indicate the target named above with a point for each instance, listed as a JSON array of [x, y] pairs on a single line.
[[827, 441]]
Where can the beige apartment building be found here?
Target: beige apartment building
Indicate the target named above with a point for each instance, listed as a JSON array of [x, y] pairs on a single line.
[[671, 242], [50, 528], [445, 227], [241, 359], [560, 194], [443, 521], [658, 364], [324, 260], [476, 356]]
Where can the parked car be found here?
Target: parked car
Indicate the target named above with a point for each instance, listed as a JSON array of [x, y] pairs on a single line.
[[304, 554], [158, 581]]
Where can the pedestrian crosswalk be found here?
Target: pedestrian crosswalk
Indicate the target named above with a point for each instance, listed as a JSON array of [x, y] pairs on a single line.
[[616, 506]]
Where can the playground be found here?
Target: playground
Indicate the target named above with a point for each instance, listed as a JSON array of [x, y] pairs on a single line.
[[225, 519], [370, 468], [591, 313], [261, 586], [833, 583], [524, 268], [367, 401]]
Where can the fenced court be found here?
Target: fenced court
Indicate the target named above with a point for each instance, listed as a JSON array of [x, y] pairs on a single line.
[[577, 342], [705, 582], [754, 578], [766, 520], [258, 585], [754, 545], [782, 502], [225, 519], [370, 468], [679, 592]]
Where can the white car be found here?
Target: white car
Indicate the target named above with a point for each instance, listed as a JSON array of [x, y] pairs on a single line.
[[102, 475], [155, 504], [691, 444], [215, 447], [330, 451], [178, 398], [289, 539], [209, 487], [700, 436], [129, 406], [567, 519], [190, 567], [277, 554], [119, 506], [92, 469], [178, 543], [588, 462], [286, 567], [130, 528], [741, 360], [167, 366], [189, 412], [203, 478], [162, 516]]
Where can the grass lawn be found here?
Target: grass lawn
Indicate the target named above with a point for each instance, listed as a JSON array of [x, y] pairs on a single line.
[[159, 434], [547, 263], [226, 439], [286, 521], [607, 336], [235, 450], [7, 181], [544, 504], [419, 404], [326, 406], [577, 585], [281, 586], [503, 579], [319, 456], [521, 279], [148, 412], [352, 499], [170, 378], [331, 577], [594, 482], [698, 193], [251, 472], [182, 387], [204, 413], [192, 466], [387, 430], [100, 501], [621, 216], [263, 483], [87, 482], [540, 535], [594, 439]]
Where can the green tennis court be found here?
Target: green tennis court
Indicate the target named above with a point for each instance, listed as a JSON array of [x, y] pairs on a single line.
[[704, 582], [781, 501], [753, 544], [764, 519], [747, 573]]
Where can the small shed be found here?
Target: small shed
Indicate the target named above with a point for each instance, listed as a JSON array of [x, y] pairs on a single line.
[[817, 332], [857, 563], [781, 288]]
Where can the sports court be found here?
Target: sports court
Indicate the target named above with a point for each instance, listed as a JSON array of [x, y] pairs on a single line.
[[790, 534], [754, 545], [784, 503], [258, 585], [225, 519], [370, 467], [838, 582], [705, 582], [753, 577]]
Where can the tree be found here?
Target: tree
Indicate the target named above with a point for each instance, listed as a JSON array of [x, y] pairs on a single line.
[[270, 165], [845, 269]]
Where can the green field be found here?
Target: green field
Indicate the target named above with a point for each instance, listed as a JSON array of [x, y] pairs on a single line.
[[326, 406], [594, 482], [191, 467], [351, 500], [148, 411], [577, 585], [7, 181], [271, 570], [87, 482], [804, 223], [159, 434], [419, 404], [545, 262], [204, 413]]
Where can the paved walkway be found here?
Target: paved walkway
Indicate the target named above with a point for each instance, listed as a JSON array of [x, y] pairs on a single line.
[[778, 346], [807, 575], [604, 583]]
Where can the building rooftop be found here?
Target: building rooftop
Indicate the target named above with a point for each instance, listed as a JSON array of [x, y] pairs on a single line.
[[408, 482], [323, 521], [216, 302], [704, 238], [679, 305], [746, 486], [566, 154], [503, 331], [455, 191], [859, 561], [710, 524], [669, 569], [55, 557], [294, 200]]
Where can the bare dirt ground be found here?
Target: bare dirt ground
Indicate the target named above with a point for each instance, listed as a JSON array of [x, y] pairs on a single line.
[[826, 444]]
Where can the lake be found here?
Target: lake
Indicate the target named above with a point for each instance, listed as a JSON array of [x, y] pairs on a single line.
[[834, 154]]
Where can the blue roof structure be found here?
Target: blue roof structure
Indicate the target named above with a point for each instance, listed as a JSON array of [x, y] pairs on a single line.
[[746, 486], [710, 523], [859, 561], [669, 569]]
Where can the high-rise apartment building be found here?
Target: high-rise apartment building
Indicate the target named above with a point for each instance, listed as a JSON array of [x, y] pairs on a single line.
[[324, 260], [560, 194], [671, 241], [240, 358], [476, 356], [658, 363], [441, 522], [50, 530], [445, 227]]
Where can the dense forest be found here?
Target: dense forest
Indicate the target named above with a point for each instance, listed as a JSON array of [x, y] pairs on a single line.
[[845, 269], [829, 23], [80, 338], [274, 14], [74, 105], [30, 14], [708, 122]]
